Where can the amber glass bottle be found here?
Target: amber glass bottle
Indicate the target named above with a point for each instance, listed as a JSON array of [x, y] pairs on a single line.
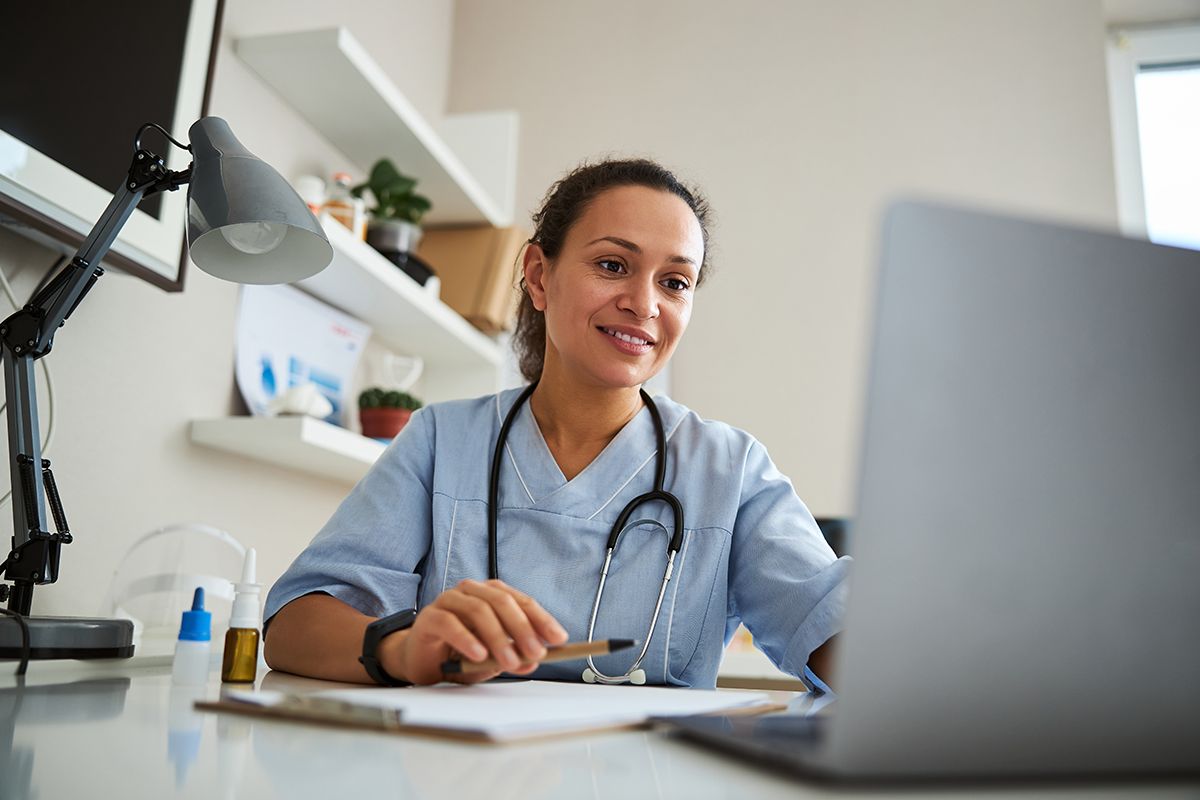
[[240, 661]]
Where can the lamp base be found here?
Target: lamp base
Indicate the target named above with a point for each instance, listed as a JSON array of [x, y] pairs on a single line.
[[67, 637]]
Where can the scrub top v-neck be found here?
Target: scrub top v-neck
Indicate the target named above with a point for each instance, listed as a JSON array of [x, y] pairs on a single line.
[[417, 525]]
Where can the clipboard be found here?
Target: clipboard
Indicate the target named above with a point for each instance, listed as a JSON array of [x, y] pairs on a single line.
[[322, 709]]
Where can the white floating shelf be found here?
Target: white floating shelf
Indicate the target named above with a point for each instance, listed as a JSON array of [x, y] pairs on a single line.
[[406, 318], [333, 82], [300, 443]]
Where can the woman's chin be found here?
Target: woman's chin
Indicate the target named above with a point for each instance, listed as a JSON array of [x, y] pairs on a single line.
[[608, 374], [624, 378]]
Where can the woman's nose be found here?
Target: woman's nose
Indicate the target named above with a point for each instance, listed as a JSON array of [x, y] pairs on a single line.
[[640, 298]]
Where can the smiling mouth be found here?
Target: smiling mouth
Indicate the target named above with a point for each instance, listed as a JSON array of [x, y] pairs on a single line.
[[625, 337]]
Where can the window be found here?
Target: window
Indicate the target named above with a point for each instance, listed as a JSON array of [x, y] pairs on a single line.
[[1154, 83]]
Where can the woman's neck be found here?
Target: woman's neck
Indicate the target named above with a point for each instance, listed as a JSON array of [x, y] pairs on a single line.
[[578, 422]]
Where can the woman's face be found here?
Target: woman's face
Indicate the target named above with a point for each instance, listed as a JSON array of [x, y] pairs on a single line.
[[618, 297]]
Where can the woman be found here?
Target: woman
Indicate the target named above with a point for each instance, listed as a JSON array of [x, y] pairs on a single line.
[[609, 280]]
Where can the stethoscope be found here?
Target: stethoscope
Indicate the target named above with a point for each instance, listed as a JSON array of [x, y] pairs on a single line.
[[634, 674]]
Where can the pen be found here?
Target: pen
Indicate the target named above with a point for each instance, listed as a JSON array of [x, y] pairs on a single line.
[[564, 652]]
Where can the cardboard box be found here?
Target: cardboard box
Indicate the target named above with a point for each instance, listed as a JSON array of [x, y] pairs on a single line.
[[479, 270]]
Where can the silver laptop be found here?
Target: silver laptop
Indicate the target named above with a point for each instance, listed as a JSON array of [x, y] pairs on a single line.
[[1026, 594]]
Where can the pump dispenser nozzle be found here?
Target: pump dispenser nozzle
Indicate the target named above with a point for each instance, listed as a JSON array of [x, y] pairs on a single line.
[[245, 600]]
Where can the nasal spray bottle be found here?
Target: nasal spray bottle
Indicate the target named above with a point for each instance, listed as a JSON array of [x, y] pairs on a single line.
[[190, 667], [240, 663]]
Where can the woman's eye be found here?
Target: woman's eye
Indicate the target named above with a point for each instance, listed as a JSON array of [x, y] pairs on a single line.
[[676, 284], [608, 265]]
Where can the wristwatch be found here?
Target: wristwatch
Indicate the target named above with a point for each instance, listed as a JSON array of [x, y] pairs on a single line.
[[402, 620]]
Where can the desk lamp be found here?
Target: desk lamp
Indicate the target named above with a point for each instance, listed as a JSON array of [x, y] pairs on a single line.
[[245, 224]]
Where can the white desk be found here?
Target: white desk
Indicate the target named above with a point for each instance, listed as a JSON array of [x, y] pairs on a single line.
[[121, 731]]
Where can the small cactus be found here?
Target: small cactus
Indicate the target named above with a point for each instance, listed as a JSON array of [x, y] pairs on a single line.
[[381, 398]]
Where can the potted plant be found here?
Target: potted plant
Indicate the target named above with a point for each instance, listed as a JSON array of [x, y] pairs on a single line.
[[394, 228], [383, 413]]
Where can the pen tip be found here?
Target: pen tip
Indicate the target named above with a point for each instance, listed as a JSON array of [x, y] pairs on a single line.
[[620, 644]]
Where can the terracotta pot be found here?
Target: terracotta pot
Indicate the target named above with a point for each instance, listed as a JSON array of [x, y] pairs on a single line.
[[383, 423]]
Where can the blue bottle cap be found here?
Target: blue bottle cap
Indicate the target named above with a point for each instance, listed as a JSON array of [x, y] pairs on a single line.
[[197, 623]]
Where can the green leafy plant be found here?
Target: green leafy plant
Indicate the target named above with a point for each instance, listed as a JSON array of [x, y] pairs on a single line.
[[393, 192], [382, 398]]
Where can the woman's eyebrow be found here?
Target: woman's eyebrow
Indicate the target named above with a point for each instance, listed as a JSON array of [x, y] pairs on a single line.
[[633, 248]]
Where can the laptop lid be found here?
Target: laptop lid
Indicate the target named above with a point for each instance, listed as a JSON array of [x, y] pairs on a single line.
[[1026, 593]]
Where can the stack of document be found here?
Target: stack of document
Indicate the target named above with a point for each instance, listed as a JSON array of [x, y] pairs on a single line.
[[496, 711]]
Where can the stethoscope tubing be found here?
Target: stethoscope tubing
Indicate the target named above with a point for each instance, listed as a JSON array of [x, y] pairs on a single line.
[[494, 481], [658, 493], [662, 592]]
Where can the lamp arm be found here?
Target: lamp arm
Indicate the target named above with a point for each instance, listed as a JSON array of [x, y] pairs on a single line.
[[27, 336]]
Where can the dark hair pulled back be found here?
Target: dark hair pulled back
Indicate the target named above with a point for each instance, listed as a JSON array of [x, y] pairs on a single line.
[[563, 205]]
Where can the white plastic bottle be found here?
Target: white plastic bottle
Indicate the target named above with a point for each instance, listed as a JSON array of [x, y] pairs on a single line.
[[192, 651]]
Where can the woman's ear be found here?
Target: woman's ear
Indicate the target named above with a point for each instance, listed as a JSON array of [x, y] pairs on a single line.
[[534, 267]]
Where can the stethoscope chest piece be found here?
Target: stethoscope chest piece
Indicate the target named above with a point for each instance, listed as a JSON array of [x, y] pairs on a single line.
[[637, 677]]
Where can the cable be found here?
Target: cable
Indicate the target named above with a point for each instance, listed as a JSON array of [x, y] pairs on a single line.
[[137, 140], [12, 299], [25, 649]]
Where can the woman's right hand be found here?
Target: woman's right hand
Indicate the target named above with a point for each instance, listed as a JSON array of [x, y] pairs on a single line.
[[475, 620]]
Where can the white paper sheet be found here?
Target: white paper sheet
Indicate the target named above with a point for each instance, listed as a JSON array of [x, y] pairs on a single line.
[[509, 710]]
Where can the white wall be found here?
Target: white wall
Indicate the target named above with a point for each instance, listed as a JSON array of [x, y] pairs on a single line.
[[799, 119], [134, 364], [1150, 12]]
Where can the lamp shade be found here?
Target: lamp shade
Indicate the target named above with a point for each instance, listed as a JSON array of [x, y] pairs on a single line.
[[245, 222]]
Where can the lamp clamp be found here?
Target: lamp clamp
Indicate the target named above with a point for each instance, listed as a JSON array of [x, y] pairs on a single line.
[[148, 174]]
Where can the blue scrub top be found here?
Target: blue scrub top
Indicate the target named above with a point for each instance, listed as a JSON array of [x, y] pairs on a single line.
[[416, 525]]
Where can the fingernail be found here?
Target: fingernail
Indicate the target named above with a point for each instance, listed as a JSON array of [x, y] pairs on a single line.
[[534, 650], [508, 656], [478, 652], [560, 631]]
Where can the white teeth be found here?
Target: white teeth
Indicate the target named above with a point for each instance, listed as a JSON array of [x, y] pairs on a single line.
[[624, 337]]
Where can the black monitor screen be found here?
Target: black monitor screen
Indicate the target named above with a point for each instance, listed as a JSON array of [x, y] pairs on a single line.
[[79, 79]]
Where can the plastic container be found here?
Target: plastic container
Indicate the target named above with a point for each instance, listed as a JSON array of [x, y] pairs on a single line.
[[192, 651], [239, 663], [347, 209]]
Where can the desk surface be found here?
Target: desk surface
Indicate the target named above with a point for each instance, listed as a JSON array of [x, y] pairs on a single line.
[[120, 731]]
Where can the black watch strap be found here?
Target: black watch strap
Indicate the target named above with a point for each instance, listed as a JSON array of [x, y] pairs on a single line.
[[372, 637]]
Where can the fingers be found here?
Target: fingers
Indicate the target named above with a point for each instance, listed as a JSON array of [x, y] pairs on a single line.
[[510, 623], [503, 601], [446, 627], [545, 626], [478, 614], [477, 619]]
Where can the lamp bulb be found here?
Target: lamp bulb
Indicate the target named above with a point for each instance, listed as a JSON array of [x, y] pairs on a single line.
[[254, 238]]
